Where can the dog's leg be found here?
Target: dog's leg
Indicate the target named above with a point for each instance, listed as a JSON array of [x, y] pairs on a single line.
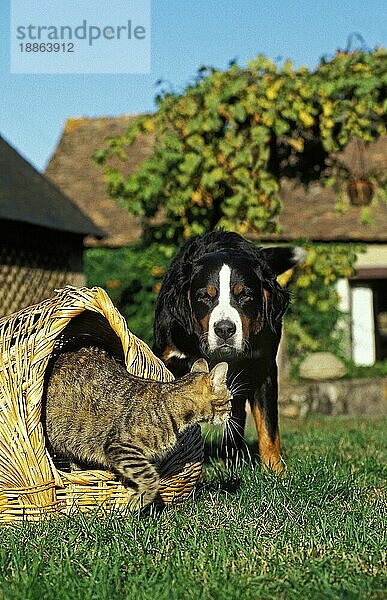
[[265, 413]]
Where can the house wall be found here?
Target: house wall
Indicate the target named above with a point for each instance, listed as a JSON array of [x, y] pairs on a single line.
[[358, 298], [374, 256], [362, 326]]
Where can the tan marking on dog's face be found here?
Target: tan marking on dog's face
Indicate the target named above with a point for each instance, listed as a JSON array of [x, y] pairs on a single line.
[[238, 288], [201, 325], [204, 324], [259, 319], [211, 291], [246, 324]]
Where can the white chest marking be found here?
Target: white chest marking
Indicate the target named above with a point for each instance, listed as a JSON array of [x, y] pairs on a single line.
[[224, 310], [174, 353]]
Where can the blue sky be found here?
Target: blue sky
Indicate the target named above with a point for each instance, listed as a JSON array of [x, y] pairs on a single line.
[[185, 34]]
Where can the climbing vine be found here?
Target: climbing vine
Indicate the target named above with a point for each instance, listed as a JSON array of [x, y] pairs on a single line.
[[221, 147], [223, 144]]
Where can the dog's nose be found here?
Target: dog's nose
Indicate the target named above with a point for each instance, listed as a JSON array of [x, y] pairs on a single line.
[[225, 329]]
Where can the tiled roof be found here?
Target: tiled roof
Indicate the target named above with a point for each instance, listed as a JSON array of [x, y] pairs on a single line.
[[28, 196], [310, 212], [72, 169], [307, 213]]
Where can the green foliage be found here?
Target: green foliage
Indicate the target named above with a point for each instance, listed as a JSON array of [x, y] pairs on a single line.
[[379, 369], [221, 146], [220, 150], [132, 277], [313, 320], [316, 534], [352, 90]]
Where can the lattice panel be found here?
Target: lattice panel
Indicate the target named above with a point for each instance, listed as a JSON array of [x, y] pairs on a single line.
[[28, 276]]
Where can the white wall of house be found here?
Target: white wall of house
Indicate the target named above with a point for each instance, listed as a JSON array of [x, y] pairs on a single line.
[[374, 256], [363, 333], [343, 325], [344, 292], [359, 330], [358, 302]]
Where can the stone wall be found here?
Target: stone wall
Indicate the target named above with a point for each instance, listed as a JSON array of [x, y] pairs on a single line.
[[356, 397]]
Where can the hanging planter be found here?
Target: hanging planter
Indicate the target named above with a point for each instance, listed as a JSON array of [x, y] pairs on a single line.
[[358, 172], [360, 192]]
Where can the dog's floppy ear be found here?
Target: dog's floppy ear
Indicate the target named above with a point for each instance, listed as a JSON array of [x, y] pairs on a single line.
[[275, 303], [280, 259], [275, 298], [174, 295]]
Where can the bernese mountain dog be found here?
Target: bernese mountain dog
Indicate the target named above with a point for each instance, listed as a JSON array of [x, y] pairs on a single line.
[[220, 300]]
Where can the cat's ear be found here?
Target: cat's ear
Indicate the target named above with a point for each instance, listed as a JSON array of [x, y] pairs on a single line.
[[200, 366], [218, 375]]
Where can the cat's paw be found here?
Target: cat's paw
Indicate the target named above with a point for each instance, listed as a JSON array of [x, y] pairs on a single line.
[[144, 495]]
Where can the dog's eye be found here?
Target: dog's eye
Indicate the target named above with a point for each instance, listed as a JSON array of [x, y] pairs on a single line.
[[244, 297], [206, 294]]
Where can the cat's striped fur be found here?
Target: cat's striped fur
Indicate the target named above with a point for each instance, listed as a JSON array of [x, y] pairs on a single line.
[[98, 414]]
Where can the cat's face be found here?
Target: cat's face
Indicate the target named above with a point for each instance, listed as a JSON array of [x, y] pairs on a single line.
[[212, 393]]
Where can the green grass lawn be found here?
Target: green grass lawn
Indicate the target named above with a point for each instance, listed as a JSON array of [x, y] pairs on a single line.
[[316, 534]]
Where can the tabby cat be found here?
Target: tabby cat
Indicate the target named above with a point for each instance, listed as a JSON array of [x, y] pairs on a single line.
[[98, 414]]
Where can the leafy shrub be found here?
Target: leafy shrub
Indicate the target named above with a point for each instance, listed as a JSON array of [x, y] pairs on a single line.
[[132, 277], [313, 320]]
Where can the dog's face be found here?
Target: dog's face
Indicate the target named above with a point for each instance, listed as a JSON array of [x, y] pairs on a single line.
[[229, 296]]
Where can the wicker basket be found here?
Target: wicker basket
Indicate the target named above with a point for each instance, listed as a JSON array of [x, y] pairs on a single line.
[[31, 486]]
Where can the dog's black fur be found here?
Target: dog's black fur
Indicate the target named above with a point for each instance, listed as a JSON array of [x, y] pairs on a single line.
[[184, 331]]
